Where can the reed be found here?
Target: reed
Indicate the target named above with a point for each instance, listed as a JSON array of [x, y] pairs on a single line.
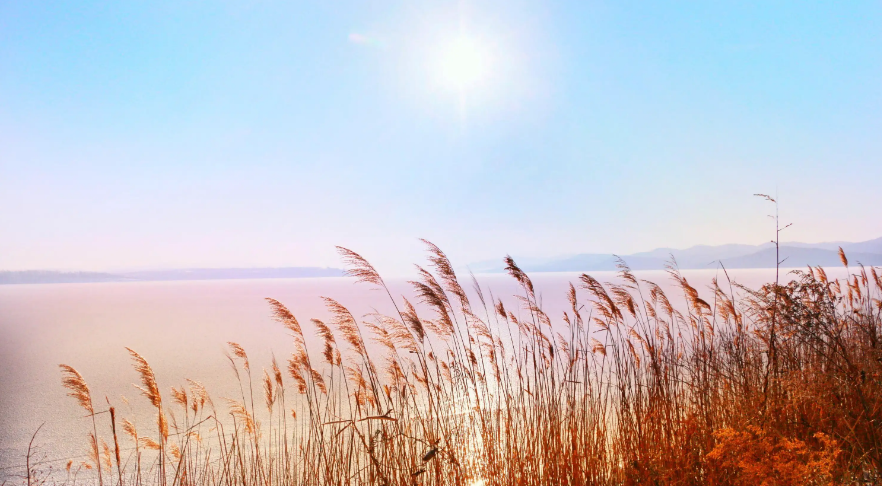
[[776, 385]]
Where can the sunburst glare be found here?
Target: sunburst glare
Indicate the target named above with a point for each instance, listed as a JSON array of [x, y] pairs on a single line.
[[464, 63]]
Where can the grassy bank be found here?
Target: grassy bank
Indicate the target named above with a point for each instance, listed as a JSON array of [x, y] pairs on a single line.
[[777, 385]]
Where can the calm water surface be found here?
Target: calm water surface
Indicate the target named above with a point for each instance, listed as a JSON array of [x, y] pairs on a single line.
[[182, 329]]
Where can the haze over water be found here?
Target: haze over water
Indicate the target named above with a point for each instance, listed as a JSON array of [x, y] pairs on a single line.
[[182, 329]]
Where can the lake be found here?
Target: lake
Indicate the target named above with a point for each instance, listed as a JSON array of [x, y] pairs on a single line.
[[182, 329]]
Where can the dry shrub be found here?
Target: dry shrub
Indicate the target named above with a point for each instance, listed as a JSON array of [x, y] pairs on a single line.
[[755, 457]]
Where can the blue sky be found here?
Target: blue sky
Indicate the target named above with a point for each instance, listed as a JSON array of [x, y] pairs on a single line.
[[205, 134]]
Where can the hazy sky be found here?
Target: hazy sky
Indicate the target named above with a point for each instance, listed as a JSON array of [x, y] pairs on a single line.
[[158, 134]]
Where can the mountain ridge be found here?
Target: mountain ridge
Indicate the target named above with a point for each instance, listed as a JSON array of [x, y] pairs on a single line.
[[48, 276], [793, 254]]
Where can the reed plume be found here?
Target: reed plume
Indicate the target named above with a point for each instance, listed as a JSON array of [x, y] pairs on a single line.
[[359, 268], [284, 316], [330, 351], [239, 352], [277, 373], [78, 389], [347, 325], [296, 373], [268, 391], [150, 390], [148, 380], [199, 393]]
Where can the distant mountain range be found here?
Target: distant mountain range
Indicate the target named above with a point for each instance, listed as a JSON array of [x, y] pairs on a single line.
[[794, 254], [40, 276]]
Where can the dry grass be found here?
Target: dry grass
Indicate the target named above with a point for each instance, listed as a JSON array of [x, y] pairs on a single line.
[[780, 385]]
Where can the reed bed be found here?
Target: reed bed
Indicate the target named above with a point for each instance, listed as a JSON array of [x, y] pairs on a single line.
[[779, 385]]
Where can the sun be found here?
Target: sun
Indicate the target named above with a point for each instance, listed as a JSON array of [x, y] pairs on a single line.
[[464, 63]]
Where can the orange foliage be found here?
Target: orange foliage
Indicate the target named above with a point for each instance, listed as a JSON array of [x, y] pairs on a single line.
[[756, 457]]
